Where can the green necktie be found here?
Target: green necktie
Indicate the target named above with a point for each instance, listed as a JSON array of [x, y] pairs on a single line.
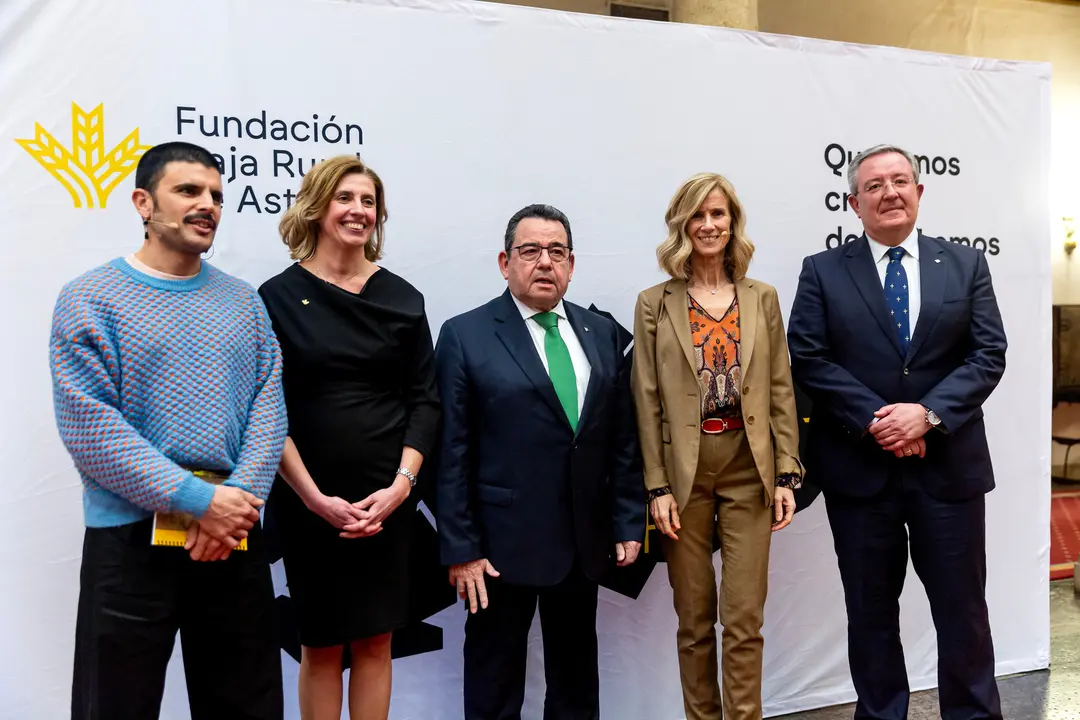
[[560, 368]]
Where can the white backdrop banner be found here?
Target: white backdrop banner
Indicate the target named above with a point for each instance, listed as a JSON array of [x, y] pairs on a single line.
[[470, 111]]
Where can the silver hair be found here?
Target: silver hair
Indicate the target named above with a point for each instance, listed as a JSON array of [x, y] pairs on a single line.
[[853, 166]]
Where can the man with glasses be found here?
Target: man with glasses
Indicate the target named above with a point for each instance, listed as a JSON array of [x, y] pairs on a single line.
[[898, 341], [539, 485]]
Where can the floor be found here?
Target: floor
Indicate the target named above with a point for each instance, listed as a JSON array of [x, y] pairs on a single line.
[[1064, 531], [1046, 695]]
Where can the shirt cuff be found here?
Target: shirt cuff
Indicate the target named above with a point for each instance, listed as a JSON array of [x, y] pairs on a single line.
[[791, 481], [654, 493]]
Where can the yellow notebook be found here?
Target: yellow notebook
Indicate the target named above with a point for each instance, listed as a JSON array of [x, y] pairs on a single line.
[[170, 529]]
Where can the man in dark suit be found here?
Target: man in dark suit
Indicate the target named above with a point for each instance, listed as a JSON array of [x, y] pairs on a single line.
[[898, 341], [539, 486]]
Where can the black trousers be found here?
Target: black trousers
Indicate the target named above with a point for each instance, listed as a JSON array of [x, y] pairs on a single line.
[[133, 598], [948, 552], [496, 644]]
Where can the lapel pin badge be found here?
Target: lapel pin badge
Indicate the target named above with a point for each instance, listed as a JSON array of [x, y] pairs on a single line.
[[304, 301], [586, 328], [937, 260]]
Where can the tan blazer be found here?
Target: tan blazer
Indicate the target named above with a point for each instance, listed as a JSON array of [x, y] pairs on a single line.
[[667, 396]]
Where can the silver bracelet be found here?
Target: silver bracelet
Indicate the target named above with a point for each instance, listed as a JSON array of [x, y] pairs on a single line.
[[409, 474]]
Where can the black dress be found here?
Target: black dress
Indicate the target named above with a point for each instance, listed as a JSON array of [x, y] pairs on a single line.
[[359, 384]]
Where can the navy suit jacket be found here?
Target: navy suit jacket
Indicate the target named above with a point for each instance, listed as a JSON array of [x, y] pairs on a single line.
[[515, 483], [847, 358]]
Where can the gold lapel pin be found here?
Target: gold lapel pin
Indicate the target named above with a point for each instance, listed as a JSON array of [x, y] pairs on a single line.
[[304, 301]]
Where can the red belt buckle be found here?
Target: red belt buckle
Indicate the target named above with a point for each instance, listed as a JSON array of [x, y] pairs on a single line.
[[714, 426]]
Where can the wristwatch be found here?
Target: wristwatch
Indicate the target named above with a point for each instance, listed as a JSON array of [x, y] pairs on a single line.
[[408, 474], [932, 418]]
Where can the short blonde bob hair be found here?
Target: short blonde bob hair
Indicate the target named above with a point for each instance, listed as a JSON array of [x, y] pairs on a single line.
[[299, 226], [674, 253]]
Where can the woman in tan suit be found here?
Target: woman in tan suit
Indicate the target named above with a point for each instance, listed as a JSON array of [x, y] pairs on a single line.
[[719, 437]]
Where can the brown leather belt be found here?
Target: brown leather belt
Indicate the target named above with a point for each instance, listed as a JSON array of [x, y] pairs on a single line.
[[715, 426]]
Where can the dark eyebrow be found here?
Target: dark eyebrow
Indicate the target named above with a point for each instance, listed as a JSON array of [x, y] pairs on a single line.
[[217, 195]]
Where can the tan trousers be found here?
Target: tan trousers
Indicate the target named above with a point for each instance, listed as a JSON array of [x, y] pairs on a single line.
[[728, 502]]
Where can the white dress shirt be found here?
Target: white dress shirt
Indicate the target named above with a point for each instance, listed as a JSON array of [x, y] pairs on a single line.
[[880, 253], [582, 368]]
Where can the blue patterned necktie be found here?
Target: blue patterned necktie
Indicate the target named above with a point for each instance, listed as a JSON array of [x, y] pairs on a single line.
[[896, 296]]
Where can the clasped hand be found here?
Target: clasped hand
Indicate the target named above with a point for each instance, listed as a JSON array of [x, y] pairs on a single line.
[[364, 518], [899, 428], [231, 514]]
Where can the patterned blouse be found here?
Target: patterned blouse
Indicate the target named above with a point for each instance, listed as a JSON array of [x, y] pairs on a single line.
[[718, 355]]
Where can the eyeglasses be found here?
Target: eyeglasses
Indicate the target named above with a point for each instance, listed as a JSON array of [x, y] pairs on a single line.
[[878, 186], [530, 252]]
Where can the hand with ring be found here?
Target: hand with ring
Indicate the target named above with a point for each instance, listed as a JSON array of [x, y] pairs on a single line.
[[916, 448]]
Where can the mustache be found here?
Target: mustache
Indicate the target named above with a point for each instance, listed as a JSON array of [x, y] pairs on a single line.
[[200, 216]]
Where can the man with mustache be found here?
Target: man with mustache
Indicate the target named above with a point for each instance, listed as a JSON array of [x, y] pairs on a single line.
[[898, 341], [167, 390], [539, 484]]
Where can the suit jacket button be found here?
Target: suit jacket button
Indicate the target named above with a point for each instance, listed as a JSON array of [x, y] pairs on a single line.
[[746, 390], [750, 420]]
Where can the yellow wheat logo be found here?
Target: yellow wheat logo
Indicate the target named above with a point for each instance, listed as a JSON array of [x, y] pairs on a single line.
[[87, 172]]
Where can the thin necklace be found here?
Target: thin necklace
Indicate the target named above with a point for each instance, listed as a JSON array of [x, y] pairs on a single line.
[[712, 292], [331, 282]]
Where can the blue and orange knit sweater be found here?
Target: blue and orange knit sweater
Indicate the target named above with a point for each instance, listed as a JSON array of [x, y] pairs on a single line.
[[153, 376]]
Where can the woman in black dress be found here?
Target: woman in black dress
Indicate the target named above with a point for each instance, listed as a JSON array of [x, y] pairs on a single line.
[[363, 413]]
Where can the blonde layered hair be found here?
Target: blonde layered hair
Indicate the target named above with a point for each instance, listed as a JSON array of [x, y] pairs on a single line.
[[299, 226], [674, 253]]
